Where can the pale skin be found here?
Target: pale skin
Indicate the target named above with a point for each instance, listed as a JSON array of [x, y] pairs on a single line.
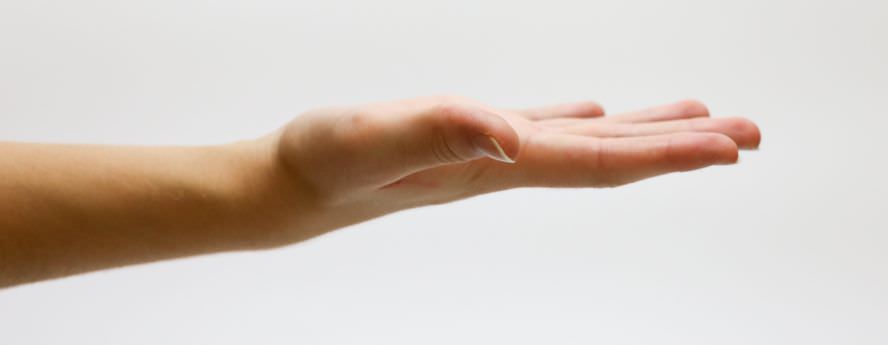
[[69, 209]]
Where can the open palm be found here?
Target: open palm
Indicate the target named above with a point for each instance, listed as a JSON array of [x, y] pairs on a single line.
[[396, 155]]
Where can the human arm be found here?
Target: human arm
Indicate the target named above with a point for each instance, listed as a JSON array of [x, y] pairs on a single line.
[[67, 209]]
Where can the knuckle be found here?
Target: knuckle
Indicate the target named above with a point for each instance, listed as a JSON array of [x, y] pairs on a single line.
[[671, 154], [448, 115], [449, 98], [448, 110], [604, 174], [355, 127], [443, 150]]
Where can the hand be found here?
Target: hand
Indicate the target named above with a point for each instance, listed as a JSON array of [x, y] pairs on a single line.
[[365, 161]]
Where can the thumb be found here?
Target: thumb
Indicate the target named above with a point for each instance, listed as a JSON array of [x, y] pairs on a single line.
[[449, 133]]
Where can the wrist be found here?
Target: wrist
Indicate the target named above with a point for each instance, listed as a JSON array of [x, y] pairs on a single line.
[[274, 205]]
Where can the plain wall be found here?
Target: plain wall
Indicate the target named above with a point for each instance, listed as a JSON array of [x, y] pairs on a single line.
[[788, 247]]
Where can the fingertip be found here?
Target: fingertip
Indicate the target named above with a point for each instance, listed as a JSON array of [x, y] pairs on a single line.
[[724, 149], [507, 140], [693, 107], [696, 150], [732, 157], [589, 109], [756, 136], [490, 147], [743, 131]]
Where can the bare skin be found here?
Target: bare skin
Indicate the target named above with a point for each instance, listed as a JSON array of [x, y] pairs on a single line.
[[68, 209]]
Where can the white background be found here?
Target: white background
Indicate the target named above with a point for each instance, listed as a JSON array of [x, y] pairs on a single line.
[[788, 247]]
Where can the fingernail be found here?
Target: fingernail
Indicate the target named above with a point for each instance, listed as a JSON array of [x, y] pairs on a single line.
[[492, 148]]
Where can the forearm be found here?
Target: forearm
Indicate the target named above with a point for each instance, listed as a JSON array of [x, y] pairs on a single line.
[[66, 209]]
